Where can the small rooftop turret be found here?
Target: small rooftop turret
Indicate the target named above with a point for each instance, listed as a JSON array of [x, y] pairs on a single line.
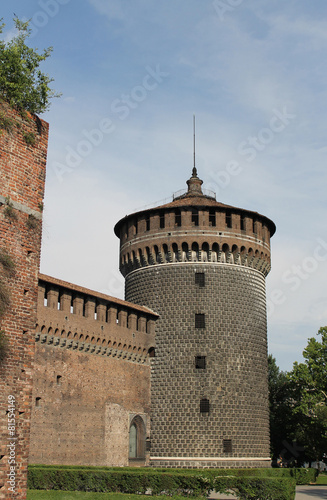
[[194, 185]]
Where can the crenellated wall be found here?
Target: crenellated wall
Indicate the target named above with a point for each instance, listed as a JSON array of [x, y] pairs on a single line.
[[73, 314], [197, 229], [92, 376]]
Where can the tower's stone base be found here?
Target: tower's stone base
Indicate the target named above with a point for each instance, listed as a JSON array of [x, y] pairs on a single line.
[[210, 463]]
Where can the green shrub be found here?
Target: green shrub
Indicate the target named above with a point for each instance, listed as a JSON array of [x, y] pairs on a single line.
[[7, 262], [7, 268], [4, 298], [22, 84], [31, 222], [6, 123], [29, 138], [173, 482], [254, 488], [3, 345], [9, 209]]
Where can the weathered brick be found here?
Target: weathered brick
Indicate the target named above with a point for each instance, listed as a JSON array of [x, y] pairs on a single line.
[[22, 173]]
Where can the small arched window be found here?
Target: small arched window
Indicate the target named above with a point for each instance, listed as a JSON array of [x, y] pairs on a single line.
[[140, 256], [215, 252], [156, 253], [165, 251], [184, 252], [148, 254], [137, 438], [152, 352], [205, 252], [175, 252], [195, 252]]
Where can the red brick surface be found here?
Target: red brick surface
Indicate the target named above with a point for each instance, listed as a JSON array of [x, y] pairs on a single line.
[[91, 376], [22, 176]]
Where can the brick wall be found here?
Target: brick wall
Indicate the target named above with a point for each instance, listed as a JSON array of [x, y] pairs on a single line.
[[92, 375], [82, 418], [22, 174]]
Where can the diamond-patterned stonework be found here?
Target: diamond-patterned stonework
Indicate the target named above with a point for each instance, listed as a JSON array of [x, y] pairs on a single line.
[[234, 342]]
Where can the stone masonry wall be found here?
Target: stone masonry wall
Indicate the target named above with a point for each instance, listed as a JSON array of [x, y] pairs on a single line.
[[22, 176], [235, 431]]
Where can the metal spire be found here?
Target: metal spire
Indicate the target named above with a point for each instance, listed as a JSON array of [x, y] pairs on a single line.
[[194, 171]]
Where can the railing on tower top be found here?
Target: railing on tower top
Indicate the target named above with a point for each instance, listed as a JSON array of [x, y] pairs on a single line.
[[205, 192], [178, 194]]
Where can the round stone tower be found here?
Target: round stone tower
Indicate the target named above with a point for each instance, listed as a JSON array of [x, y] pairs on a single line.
[[201, 265]]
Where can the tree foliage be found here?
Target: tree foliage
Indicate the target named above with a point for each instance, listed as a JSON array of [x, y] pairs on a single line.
[[298, 404], [280, 409], [22, 84], [308, 384]]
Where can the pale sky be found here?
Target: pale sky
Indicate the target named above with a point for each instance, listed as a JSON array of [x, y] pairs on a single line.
[[132, 74]]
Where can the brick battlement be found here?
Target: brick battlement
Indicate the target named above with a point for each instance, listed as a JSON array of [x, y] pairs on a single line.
[[74, 317], [195, 228]]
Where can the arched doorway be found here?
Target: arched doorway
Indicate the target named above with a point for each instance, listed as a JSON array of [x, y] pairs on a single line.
[[133, 441], [137, 439]]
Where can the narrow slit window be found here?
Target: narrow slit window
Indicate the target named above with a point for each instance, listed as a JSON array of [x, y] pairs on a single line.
[[228, 219], [147, 223], [200, 362], [178, 218], [195, 217], [200, 321], [212, 217], [242, 223], [162, 220], [200, 280], [204, 406]]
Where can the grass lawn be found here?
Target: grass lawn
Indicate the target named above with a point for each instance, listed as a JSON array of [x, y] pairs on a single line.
[[322, 479], [81, 495]]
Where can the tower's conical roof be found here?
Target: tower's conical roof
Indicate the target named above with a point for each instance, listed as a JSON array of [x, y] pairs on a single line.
[[196, 197]]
